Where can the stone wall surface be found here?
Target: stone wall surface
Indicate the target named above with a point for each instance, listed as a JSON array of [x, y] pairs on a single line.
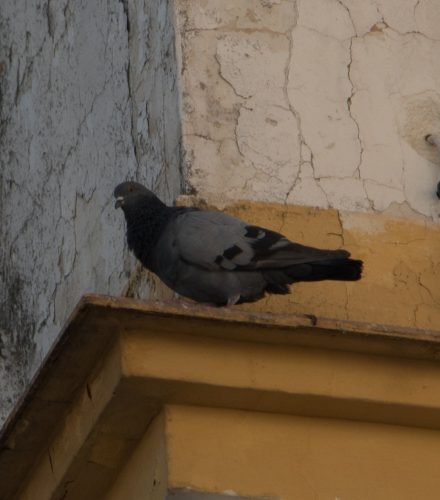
[[88, 99], [323, 103]]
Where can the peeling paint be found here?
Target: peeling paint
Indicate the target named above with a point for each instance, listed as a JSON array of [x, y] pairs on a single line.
[[353, 89]]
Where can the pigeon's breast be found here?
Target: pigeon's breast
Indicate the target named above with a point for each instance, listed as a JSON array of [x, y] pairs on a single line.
[[143, 233]]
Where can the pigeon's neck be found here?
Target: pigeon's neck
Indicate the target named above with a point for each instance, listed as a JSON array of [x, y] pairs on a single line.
[[145, 223]]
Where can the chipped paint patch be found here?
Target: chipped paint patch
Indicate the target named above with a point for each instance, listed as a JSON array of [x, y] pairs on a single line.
[[321, 103]]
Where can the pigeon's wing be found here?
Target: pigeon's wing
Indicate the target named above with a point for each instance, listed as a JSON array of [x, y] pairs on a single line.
[[213, 240]]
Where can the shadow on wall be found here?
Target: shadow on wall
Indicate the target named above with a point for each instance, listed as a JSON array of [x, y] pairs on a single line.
[[17, 347]]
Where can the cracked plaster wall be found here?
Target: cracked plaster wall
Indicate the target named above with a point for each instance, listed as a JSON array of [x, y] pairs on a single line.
[[313, 102], [87, 91]]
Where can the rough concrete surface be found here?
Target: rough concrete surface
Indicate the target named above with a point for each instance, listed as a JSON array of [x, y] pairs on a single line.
[[318, 102], [87, 91]]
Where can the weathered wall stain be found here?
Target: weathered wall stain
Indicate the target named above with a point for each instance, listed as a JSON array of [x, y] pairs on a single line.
[[88, 99]]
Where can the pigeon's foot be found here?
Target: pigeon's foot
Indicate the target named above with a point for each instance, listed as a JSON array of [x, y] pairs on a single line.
[[233, 300]]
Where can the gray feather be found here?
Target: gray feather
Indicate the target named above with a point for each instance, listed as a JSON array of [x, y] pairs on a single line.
[[215, 241]]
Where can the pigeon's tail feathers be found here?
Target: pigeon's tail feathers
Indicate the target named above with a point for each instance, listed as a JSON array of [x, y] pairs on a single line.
[[331, 269], [338, 269]]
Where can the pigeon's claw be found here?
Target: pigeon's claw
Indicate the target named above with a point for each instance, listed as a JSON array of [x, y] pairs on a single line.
[[233, 300]]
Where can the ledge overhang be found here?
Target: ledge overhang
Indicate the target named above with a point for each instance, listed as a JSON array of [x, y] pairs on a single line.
[[118, 362]]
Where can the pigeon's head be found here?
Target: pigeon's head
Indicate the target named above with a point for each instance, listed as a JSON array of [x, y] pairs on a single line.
[[131, 194]]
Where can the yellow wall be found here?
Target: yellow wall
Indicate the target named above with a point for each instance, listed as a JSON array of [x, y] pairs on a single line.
[[298, 458], [401, 282], [166, 398], [145, 473]]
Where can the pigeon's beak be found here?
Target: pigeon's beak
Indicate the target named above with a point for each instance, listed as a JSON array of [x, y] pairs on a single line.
[[119, 201]]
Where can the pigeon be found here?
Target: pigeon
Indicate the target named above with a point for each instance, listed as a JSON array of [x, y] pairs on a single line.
[[214, 258]]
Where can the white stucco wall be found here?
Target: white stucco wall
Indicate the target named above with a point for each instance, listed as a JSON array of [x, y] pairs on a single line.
[[88, 99], [317, 102]]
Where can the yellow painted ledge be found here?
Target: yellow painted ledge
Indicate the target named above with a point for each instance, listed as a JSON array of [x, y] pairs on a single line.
[[120, 362], [401, 283]]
